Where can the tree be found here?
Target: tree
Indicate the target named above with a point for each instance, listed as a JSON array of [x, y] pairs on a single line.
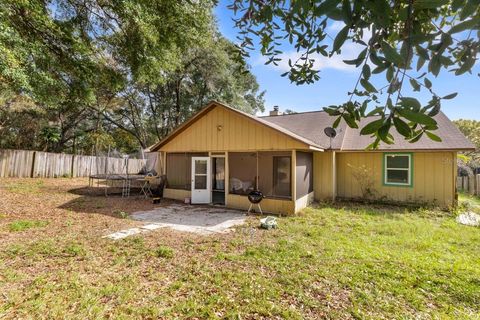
[[471, 130], [83, 75], [397, 38], [149, 111]]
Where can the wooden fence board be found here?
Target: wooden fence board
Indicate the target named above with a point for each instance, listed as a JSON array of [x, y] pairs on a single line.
[[37, 164], [16, 163]]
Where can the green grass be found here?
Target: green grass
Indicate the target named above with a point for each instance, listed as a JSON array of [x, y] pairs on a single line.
[[469, 202], [21, 225], [329, 262], [164, 252]]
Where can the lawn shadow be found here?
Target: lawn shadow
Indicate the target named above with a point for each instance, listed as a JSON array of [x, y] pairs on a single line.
[[136, 207], [93, 201]]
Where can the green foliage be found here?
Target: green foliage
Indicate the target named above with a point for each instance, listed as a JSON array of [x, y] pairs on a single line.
[[438, 35], [164, 252], [93, 75], [21, 225], [471, 130]]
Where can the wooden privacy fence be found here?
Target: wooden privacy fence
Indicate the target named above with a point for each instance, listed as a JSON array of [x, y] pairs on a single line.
[[37, 164], [469, 184]]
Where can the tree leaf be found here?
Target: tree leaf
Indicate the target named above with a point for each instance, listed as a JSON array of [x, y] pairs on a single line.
[[416, 137], [372, 127], [450, 96], [416, 117], [434, 65], [402, 127], [350, 120], [366, 72], [367, 85], [410, 103], [427, 83], [392, 55], [415, 85], [465, 25], [432, 136], [429, 4], [326, 7], [336, 122], [340, 38]]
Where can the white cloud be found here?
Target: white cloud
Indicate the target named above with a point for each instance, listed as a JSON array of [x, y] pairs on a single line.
[[349, 51]]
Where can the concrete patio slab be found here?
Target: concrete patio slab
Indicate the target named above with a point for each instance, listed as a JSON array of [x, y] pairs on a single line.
[[202, 220]]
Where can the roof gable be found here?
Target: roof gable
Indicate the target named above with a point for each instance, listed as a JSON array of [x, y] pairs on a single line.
[[220, 127]]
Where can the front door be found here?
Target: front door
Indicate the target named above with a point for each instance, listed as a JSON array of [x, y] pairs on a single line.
[[201, 182]]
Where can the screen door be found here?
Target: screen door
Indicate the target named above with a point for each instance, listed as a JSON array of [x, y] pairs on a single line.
[[201, 182]]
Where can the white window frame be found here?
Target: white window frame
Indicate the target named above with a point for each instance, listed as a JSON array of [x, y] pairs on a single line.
[[386, 168]]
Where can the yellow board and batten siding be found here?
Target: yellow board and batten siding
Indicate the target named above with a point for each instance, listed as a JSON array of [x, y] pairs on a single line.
[[223, 130], [323, 175], [236, 133], [433, 177]]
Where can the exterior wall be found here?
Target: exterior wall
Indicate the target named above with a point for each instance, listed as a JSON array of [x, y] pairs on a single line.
[[433, 177], [323, 183], [304, 201], [176, 194], [241, 202], [279, 206], [237, 133]]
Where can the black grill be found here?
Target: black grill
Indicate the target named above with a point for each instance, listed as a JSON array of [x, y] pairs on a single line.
[[255, 196]]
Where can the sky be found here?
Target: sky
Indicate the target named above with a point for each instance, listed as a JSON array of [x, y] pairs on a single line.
[[337, 79]]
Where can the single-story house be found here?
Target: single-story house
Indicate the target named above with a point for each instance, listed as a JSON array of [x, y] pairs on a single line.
[[221, 154]]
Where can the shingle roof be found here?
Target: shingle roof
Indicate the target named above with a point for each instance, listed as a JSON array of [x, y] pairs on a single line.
[[310, 125]]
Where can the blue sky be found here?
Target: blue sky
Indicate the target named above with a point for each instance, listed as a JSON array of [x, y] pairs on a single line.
[[336, 80]]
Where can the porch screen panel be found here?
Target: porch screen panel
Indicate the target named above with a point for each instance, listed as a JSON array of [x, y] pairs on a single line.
[[179, 170], [304, 174], [282, 176], [242, 168], [274, 174]]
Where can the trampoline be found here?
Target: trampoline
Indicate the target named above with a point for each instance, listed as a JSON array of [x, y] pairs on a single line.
[[126, 181]]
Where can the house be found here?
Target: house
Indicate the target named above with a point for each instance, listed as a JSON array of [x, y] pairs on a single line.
[[221, 154]]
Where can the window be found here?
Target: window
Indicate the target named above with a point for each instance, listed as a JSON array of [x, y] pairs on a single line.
[[397, 169]]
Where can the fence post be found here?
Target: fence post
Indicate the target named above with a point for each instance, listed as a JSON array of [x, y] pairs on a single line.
[[71, 167], [32, 170]]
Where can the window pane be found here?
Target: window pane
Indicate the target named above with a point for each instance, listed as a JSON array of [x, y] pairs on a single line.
[[201, 166], [281, 176], [200, 182], [397, 161], [397, 176]]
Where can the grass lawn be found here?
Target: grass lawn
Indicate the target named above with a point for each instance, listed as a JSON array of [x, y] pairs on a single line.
[[343, 261]]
